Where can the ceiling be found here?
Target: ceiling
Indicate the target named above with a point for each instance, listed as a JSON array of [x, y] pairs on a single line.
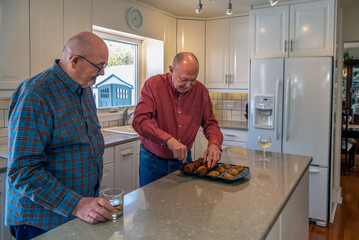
[[211, 8]]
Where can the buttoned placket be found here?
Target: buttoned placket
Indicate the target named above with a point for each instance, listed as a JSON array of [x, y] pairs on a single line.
[[179, 116]]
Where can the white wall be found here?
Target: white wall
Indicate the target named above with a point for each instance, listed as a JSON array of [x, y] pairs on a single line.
[[157, 25], [350, 23]]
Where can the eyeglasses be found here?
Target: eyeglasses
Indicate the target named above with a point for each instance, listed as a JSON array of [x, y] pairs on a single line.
[[98, 68]]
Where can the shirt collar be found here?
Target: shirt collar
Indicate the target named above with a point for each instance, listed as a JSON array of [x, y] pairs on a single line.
[[69, 82]]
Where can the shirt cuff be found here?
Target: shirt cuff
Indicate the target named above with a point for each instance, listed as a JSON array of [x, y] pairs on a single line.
[[68, 203]]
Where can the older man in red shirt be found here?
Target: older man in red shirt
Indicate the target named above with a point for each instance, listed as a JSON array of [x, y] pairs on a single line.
[[168, 115]]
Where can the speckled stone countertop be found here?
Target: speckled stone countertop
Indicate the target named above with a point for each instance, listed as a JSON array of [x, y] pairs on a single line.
[[239, 125], [187, 207]]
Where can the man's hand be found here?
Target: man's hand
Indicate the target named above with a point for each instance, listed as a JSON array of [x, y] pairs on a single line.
[[178, 149], [92, 210], [212, 155]]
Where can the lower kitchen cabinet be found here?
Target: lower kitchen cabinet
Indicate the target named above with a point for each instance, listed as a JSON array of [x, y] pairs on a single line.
[[120, 169], [108, 169], [292, 223], [231, 138], [4, 231], [234, 138], [126, 166]]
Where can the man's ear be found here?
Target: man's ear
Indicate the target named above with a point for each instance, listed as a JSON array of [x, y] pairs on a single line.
[[74, 60], [171, 68]]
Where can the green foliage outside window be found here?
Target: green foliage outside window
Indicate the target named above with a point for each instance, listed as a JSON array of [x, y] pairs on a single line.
[[119, 55]]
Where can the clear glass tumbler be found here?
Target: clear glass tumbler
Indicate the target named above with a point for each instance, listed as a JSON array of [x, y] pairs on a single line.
[[115, 197]]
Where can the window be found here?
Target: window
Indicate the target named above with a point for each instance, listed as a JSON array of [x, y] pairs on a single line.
[[119, 85]]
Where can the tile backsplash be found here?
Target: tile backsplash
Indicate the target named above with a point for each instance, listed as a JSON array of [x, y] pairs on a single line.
[[229, 106]]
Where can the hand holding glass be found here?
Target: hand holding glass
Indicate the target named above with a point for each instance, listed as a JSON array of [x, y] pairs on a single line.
[[264, 142], [115, 197]]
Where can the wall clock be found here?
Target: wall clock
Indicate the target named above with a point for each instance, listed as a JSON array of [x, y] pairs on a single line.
[[134, 18]]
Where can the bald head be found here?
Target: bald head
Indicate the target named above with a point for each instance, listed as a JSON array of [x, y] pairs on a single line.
[[184, 71], [184, 57], [83, 43], [82, 57]]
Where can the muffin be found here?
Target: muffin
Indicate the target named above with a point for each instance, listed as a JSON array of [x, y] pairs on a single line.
[[202, 170], [226, 166], [214, 173], [233, 171], [228, 176], [221, 169], [188, 167]]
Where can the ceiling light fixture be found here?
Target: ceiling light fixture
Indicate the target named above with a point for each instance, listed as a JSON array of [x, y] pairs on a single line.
[[273, 2], [229, 9], [199, 8]]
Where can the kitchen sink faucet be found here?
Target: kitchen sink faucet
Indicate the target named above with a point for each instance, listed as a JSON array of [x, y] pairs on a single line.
[[126, 115]]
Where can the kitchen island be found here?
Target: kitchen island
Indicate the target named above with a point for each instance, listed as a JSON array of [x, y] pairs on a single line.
[[271, 202]]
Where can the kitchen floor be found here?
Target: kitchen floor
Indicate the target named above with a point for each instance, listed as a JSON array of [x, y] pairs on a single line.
[[346, 222]]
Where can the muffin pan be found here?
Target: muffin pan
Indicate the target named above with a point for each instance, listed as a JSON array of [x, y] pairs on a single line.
[[241, 175]]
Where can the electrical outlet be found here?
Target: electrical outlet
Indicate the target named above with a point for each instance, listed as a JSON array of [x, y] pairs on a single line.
[[228, 105]]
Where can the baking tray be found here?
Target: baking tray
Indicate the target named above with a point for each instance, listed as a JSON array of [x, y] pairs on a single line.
[[241, 175]]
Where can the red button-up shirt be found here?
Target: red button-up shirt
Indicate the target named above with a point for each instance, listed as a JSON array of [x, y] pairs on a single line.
[[162, 112]]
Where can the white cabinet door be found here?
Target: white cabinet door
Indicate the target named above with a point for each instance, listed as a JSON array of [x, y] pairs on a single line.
[[46, 33], [227, 58], [108, 169], [14, 43], [311, 29], [107, 177], [269, 32], [4, 231], [137, 167], [191, 36], [125, 166], [217, 53], [296, 30], [201, 144], [77, 17], [239, 53]]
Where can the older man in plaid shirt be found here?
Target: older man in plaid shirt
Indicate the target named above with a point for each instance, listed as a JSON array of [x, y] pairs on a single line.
[[55, 144]]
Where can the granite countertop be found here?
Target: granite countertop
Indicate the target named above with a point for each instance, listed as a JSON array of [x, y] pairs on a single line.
[[187, 207], [239, 125]]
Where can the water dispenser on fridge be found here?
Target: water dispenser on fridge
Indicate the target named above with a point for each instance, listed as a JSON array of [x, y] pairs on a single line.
[[264, 111]]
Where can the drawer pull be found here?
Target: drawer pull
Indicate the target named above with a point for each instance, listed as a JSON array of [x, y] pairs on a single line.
[[127, 155], [229, 135]]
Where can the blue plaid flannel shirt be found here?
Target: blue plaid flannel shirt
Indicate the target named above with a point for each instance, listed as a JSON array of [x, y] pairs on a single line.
[[55, 150]]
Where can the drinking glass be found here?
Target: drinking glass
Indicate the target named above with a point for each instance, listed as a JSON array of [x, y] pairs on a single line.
[[115, 197], [264, 142]]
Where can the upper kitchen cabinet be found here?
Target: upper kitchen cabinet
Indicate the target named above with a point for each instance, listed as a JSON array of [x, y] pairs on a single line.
[[191, 37], [77, 17], [298, 30], [52, 23], [227, 56], [14, 43]]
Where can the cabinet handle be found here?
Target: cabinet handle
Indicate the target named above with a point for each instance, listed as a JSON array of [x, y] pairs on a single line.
[[285, 45], [230, 78], [226, 79], [127, 155], [229, 135], [291, 45]]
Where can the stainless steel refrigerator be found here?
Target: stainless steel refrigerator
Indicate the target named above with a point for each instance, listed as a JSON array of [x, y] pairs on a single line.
[[290, 100]]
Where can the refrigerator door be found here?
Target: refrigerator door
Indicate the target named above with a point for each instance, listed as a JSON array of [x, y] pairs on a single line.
[[307, 108], [266, 79], [318, 195]]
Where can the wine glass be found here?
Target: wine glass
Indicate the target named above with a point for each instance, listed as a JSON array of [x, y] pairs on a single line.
[[264, 142]]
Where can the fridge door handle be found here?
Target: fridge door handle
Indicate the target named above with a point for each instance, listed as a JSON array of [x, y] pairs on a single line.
[[313, 170], [287, 109], [277, 131]]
